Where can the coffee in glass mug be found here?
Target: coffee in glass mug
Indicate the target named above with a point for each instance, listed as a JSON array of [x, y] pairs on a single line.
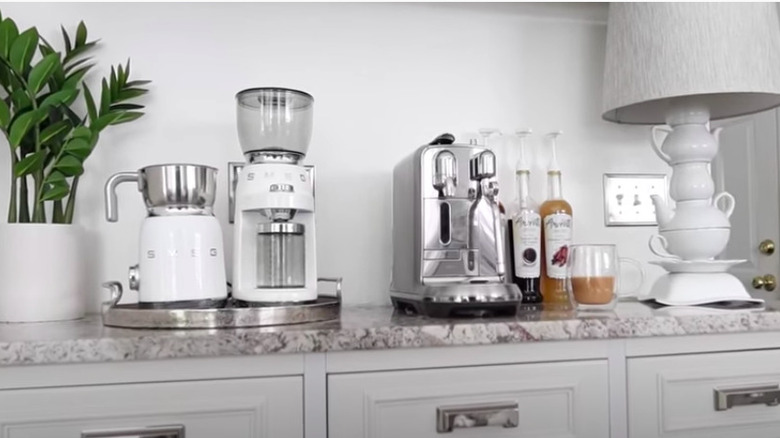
[[594, 275]]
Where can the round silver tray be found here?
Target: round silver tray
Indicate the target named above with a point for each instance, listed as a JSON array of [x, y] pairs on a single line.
[[325, 308]]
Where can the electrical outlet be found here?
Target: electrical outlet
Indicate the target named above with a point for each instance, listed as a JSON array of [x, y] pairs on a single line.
[[627, 199]]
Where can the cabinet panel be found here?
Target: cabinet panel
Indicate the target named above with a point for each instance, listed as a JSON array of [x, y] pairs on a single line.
[[554, 400], [675, 395], [251, 408]]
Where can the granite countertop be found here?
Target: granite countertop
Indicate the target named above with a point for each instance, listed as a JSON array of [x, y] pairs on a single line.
[[362, 328]]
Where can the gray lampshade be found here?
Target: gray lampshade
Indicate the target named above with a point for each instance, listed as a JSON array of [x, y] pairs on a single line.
[[722, 55]]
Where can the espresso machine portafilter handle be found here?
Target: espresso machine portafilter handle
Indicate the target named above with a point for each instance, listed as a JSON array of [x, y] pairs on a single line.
[[110, 192]]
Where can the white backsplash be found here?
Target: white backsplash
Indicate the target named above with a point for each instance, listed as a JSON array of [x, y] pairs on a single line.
[[386, 78]]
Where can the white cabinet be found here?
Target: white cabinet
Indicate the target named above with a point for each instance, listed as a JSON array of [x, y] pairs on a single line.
[[234, 408], [566, 399], [674, 396]]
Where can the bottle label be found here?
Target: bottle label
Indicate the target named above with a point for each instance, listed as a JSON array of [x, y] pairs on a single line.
[[557, 239], [527, 235]]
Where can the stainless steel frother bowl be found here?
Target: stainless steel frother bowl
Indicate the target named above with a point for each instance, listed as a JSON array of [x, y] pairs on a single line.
[[168, 189]]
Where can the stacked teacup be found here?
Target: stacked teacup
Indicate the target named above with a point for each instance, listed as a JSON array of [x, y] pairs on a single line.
[[697, 229]]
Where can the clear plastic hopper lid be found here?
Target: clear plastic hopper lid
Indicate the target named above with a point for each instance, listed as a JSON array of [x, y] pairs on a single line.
[[274, 119]]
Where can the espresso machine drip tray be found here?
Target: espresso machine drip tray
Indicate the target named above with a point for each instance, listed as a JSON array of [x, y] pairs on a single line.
[[231, 315]]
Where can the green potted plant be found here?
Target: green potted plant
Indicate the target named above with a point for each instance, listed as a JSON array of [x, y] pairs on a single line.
[[49, 139]]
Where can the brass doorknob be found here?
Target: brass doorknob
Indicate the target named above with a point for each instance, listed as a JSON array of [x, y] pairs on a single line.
[[768, 282], [767, 247]]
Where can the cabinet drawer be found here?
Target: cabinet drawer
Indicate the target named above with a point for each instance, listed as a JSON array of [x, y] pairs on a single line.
[[270, 407], [675, 396], [553, 400]]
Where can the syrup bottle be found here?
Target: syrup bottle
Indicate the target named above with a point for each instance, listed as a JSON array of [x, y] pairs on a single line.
[[557, 224], [526, 232]]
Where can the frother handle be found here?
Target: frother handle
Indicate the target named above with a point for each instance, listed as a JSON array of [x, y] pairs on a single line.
[[110, 192]]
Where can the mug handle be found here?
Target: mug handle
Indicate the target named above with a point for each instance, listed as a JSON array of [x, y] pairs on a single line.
[[657, 145], [730, 204], [663, 254], [641, 270]]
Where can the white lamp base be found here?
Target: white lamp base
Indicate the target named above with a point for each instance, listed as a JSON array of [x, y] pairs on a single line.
[[689, 289]]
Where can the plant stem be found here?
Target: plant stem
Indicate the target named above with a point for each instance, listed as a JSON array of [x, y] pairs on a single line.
[[57, 216], [38, 213], [71, 201], [12, 202], [24, 210]]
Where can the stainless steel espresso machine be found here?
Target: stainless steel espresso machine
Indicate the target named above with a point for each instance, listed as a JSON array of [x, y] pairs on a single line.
[[449, 254]]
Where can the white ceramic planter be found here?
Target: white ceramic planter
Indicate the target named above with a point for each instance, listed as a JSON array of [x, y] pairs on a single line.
[[42, 272]]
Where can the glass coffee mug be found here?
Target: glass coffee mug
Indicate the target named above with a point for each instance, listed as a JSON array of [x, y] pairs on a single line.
[[594, 276]]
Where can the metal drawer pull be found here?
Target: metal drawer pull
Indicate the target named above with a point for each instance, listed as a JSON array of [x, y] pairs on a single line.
[[757, 395], [506, 414], [176, 431]]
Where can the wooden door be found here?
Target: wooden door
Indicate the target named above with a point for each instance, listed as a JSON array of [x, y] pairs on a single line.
[[747, 167]]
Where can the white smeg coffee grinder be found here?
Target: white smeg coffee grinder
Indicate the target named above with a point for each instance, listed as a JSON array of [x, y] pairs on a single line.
[[274, 254]]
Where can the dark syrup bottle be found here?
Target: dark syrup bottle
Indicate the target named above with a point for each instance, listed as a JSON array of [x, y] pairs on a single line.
[[525, 230]]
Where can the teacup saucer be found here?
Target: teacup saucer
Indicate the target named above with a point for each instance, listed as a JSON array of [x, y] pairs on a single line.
[[696, 266]]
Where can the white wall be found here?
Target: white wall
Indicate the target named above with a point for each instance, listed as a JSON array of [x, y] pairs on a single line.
[[386, 79]]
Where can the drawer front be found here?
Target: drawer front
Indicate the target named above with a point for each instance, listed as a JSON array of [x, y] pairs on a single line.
[[679, 395], [553, 400], [270, 407]]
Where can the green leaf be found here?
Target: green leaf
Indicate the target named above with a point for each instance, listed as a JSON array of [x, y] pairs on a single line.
[[22, 125], [105, 97], [73, 65], [8, 34], [105, 120], [54, 131], [60, 97], [20, 100], [120, 75], [91, 110], [53, 192], [81, 34], [42, 71], [126, 106], [45, 50], [69, 165], [22, 50], [130, 93], [137, 83], [74, 118], [66, 38], [30, 164], [72, 80], [78, 51], [127, 116], [82, 132], [78, 147], [54, 177], [113, 85], [5, 114]]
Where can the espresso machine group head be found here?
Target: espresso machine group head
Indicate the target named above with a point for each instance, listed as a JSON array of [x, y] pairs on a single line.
[[274, 253], [449, 254]]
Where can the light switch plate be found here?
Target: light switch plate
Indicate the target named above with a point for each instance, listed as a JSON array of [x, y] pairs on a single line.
[[627, 198]]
